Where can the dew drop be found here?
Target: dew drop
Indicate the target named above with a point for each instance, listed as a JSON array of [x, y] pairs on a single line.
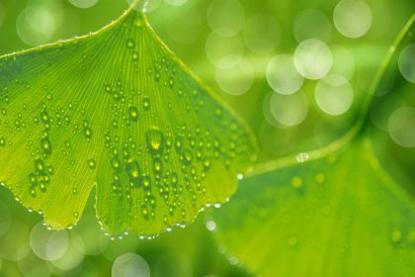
[[46, 145], [297, 182], [154, 139], [133, 113], [2, 141], [92, 164], [146, 103], [115, 163], [130, 43]]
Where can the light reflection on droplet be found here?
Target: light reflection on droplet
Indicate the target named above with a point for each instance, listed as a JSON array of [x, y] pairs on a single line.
[[225, 17], [401, 126], [48, 245], [236, 80], [334, 95], [312, 24], [313, 59], [83, 4], [261, 33], [407, 63], [289, 110], [224, 52], [352, 18], [130, 264], [282, 75]]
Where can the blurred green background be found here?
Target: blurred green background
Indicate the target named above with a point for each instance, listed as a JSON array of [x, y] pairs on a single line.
[[278, 63]]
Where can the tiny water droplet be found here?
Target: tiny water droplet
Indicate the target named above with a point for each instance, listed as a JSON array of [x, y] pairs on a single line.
[[297, 182], [154, 139], [92, 164], [130, 43], [2, 141], [133, 113]]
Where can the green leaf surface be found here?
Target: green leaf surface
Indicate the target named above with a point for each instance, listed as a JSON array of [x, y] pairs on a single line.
[[334, 211], [116, 111]]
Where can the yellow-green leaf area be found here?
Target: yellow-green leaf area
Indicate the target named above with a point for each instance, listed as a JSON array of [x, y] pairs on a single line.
[[118, 113], [337, 216]]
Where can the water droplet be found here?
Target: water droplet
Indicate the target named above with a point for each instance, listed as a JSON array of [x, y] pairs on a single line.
[[92, 164], [115, 163], [154, 140], [130, 43], [297, 182], [146, 103], [133, 113], [46, 145], [2, 141]]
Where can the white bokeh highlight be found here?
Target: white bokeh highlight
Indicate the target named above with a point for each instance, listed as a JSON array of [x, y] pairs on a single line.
[[334, 95], [407, 63], [130, 264], [401, 126], [352, 18], [282, 75], [313, 59]]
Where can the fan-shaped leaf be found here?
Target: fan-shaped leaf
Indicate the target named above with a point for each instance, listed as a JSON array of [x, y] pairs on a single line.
[[116, 110]]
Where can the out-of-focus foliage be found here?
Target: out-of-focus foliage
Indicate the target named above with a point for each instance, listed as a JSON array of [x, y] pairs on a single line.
[[236, 45]]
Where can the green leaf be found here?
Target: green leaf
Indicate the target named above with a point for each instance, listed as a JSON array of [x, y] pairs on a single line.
[[334, 211], [117, 111]]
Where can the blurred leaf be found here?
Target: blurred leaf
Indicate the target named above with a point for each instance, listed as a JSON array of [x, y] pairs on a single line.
[[118, 111], [332, 212]]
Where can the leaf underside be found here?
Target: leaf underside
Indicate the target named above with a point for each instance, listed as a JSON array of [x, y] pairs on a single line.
[[117, 111], [338, 216]]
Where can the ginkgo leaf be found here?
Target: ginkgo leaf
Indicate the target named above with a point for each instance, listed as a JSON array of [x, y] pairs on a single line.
[[117, 111], [334, 211]]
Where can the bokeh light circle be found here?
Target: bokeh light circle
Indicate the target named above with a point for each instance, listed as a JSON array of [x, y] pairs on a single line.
[[14, 244], [312, 23], [48, 245], [261, 33], [130, 264], [226, 17], [176, 2], [289, 110], [313, 59], [282, 75], [224, 52], [401, 126], [37, 24], [334, 95], [352, 18], [83, 4], [407, 63], [236, 80]]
